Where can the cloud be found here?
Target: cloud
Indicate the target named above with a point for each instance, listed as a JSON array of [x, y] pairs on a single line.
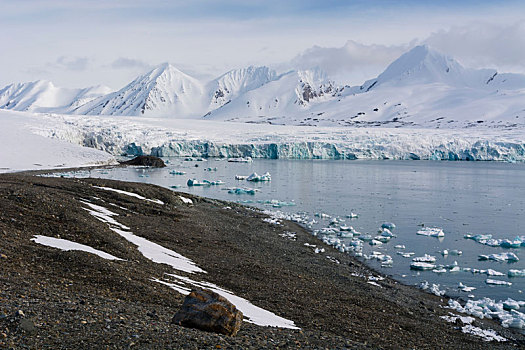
[[71, 63], [353, 63], [484, 45], [129, 63]]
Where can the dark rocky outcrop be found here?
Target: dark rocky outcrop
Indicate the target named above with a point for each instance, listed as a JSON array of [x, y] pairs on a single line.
[[208, 311], [151, 161]]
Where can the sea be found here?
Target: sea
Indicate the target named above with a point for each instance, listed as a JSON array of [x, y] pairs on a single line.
[[459, 198]]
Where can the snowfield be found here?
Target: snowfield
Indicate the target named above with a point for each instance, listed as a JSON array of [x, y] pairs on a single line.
[[22, 149]]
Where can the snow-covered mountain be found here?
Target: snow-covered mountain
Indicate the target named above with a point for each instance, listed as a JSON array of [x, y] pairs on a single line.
[[163, 91], [421, 88], [43, 96]]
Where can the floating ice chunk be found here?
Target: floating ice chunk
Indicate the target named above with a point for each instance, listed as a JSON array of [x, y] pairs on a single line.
[[432, 288], [259, 178], [415, 265], [365, 237], [388, 225], [511, 304], [237, 190], [491, 272], [241, 160], [177, 172], [195, 182], [507, 243], [210, 169], [478, 238], [352, 216], [485, 334], [431, 232], [510, 257], [66, 245], [516, 273], [425, 258], [407, 254], [241, 177], [186, 200], [387, 233], [382, 239], [322, 215], [498, 282], [440, 270], [465, 288], [455, 252], [375, 242], [399, 246]]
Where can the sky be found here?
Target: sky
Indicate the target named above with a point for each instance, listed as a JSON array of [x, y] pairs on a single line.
[[92, 42]]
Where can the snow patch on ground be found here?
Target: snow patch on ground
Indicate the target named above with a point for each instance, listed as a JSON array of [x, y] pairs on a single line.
[[252, 313], [131, 194], [66, 245], [150, 250]]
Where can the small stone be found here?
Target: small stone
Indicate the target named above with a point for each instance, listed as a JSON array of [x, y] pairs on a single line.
[[3, 256], [208, 311], [20, 313], [27, 325]]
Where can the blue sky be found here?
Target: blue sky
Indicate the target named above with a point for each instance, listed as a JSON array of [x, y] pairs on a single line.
[[78, 43]]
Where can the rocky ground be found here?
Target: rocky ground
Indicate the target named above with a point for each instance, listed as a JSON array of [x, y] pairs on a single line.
[[53, 299]]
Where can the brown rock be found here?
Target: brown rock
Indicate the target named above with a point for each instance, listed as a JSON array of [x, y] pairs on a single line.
[[151, 161], [208, 311]]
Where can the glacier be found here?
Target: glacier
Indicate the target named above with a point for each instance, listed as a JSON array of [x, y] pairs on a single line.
[[200, 138]]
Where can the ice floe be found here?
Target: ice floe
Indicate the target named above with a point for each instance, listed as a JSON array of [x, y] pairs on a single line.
[[259, 178], [516, 273], [510, 257], [486, 239], [468, 328], [431, 232], [498, 282], [241, 160], [66, 245], [431, 288]]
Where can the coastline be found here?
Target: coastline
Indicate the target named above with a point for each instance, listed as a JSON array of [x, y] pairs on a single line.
[[333, 303]]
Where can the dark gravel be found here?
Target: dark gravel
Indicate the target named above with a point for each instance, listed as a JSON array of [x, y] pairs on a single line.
[[52, 299]]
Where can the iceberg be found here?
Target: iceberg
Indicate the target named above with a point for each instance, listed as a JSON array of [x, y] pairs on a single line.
[[237, 190], [431, 232], [388, 225], [259, 178], [516, 273], [425, 258], [195, 182], [498, 282], [241, 160], [510, 257], [416, 265]]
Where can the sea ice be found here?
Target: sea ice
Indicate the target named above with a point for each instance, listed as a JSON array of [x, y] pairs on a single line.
[[259, 178], [516, 273], [415, 265], [425, 258], [431, 232], [388, 225], [498, 282], [241, 160], [510, 257]]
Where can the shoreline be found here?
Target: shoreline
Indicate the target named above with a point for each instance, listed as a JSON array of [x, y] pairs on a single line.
[[335, 305]]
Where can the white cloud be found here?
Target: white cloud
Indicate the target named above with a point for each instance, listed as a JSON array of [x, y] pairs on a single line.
[[71, 63], [484, 45], [353, 63]]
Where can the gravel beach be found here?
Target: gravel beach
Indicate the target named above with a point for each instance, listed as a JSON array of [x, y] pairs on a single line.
[[55, 299]]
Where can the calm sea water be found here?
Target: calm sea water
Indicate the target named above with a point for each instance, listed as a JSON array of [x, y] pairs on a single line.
[[459, 197]]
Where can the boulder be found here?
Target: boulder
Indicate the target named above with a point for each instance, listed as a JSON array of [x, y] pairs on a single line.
[[151, 161], [208, 311]]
